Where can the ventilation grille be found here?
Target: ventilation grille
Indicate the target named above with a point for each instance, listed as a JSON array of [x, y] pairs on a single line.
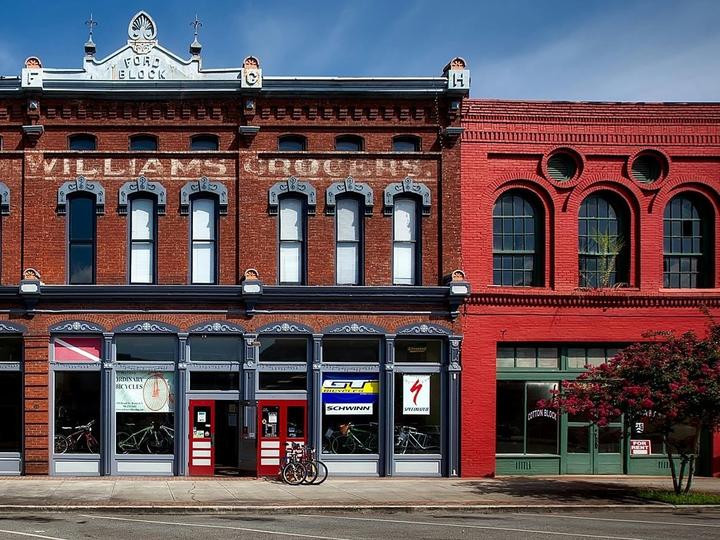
[[561, 167], [646, 169]]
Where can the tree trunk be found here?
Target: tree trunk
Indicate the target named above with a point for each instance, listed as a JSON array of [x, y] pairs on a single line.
[[668, 451], [693, 459]]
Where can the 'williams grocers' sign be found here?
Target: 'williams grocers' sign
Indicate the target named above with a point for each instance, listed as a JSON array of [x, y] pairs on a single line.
[[350, 393]]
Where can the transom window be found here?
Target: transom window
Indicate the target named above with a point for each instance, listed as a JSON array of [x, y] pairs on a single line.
[[204, 240], [142, 240], [81, 239], [82, 141], [405, 242], [686, 244], [406, 143], [200, 143], [292, 240], [517, 234], [292, 143], [602, 242], [143, 143], [527, 357], [349, 143], [348, 239]]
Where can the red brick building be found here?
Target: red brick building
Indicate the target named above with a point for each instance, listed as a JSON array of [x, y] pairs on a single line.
[[202, 266], [584, 226]]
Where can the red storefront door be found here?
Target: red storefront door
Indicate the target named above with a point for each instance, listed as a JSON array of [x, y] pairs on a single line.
[[280, 423], [202, 438]]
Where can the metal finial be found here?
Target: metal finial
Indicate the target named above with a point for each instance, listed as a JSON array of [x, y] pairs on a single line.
[[91, 23], [196, 24]]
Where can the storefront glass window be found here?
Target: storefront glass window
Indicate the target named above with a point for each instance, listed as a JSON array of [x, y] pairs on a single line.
[[366, 351], [77, 412], [282, 380], [296, 422], [417, 413], [350, 413], [145, 409], [10, 410], [146, 348], [10, 349], [283, 349], [527, 357], [214, 380], [411, 350], [523, 427], [215, 348]]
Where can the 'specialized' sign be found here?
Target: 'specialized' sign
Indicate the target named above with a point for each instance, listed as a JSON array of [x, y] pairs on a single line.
[[416, 394]]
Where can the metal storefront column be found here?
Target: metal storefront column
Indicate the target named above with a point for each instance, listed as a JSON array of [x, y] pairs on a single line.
[[249, 375], [315, 406], [387, 401], [107, 395], [181, 422], [453, 420]]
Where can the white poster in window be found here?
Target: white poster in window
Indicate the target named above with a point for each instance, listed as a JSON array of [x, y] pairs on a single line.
[[140, 391], [416, 394]]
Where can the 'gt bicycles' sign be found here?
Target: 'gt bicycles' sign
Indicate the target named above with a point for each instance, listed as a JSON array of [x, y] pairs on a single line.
[[349, 393], [144, 392]]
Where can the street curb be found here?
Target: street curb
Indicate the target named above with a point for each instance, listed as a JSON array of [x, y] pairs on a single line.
[[318, 509]]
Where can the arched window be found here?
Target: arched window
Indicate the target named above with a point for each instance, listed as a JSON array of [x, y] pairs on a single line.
[[81, 239], [349, 143], [687, 243], [143, 142], [406, 143], [82, 141], [292, 143], [406, 239], [142, 240], [603, 242], [204, 240], [348, 241], [292, 240], [517, 241], [202, 143]]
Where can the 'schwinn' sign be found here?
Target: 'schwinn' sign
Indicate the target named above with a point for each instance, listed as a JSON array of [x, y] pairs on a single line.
[[350, 393]]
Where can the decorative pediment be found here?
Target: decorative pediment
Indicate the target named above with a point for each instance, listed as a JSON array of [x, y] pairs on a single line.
[[349, 186], [141, 185], [203, 185], [81, 185], [285, 327], [4, 199], [407, 187], [291, 185]]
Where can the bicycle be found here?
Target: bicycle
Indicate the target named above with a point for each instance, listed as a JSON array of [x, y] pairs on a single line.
[[293, 470], [71, 441], [409, 437], [350, 437], [153, 439], [317, 471]]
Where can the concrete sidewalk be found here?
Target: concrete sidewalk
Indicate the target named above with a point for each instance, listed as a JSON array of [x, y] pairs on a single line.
[[552, 493]]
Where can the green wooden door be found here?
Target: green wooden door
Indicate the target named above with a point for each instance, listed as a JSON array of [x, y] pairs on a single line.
[[591, 449]]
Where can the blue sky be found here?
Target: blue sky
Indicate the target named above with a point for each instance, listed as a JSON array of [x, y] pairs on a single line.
[[633, 50]]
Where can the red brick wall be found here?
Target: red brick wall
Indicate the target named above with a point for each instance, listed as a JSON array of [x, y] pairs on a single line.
[[504, 146]]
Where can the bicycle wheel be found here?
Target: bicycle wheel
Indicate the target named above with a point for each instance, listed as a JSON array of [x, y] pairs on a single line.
[[61, 444], [155, 444], [311, 472], [294, 473], [92, 444], [321, 472], [344, 444], [123, 442]]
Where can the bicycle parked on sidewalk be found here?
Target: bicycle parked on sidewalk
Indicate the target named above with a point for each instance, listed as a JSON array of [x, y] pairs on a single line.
[[154, 439], [80, 438], [301, 466]]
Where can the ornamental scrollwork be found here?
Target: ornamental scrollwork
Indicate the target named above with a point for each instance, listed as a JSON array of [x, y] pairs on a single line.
[[141, 185], [81, 184], [424, 329], [353, 328], [145, 327], [203, 185], [407, 186], [349, 185], [77, 326], [217, 328], [284, 328], [6, 327], [4, 199], [291, 185]]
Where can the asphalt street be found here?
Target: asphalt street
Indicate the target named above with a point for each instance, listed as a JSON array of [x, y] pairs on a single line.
[[378, 525]]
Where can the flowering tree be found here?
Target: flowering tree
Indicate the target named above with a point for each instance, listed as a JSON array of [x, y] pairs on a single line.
[[672, 380]]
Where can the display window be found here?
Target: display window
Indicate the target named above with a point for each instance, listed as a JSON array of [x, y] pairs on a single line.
[[77, 412], [365, 351], [522, 427], [418, 415], [282, 380], [418, 351], [214, 380], [145, 412], [283, 349], [11, 388], [350, 413], [215, 348], [145, 348]]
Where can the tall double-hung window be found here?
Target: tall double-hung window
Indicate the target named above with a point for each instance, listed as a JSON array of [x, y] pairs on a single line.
[[292, 240], [204, 240], [348, 241], [406, 235], [142, 240], [687, 243], [81, 239]]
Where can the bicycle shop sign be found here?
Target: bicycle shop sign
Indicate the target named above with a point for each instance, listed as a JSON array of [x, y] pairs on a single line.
[[351, 394], [143, 392]]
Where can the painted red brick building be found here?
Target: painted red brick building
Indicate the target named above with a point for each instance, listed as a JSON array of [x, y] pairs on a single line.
[[200, 267], [584, 226]]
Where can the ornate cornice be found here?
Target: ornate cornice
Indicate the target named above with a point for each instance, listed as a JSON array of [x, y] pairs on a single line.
[[565, 138], [141, 185], [216, 327], [76, 326], [594, 298], [143, 327]]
